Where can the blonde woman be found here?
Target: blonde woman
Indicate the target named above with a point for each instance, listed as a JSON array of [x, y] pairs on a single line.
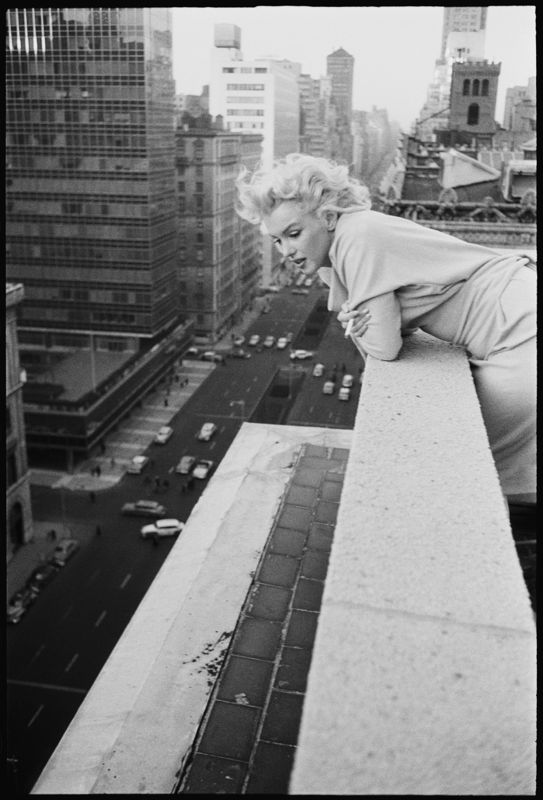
[[388, 275]]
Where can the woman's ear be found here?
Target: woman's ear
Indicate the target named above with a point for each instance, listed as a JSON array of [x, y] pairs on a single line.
[[330, 220]]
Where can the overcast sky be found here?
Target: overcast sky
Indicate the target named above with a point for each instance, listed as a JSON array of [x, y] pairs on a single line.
[[394, 47]]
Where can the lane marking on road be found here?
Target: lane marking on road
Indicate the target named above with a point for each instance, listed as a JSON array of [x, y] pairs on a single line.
[[72, 662], [212, 445], [34, 685], [255, 378], [37, 654], [100, 618], [248, 389], [171, 468], [66, 613], [35, 716], [311, 409], [127, 578]]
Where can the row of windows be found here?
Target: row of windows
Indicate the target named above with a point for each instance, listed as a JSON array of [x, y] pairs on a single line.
[[245, 112], [474, 87], [234, 99], [245, 70], [236, 87], [237, 125]]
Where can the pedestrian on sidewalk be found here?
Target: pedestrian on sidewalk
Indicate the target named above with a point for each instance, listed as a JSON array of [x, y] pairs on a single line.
[[98, 471], [52, 535], [165, 401], [112, 462], [92, 497]]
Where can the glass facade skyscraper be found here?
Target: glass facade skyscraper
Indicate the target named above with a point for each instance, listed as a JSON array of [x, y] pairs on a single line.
[[91, 205]]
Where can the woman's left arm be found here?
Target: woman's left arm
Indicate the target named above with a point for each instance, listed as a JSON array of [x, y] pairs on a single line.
[[382, 337]]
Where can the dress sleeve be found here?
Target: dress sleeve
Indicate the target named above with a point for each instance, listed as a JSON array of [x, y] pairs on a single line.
[[383, 337]]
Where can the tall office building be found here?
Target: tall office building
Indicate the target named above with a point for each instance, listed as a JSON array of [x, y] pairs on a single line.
[[91, 202], [462, 40], [256, 96], [340, 70], [316, 118], [219, 253]]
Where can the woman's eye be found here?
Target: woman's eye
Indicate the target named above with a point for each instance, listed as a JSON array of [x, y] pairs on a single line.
[[293, 234]]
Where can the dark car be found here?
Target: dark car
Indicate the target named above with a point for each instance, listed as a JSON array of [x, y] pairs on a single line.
[[41, 577], [240, 353], [19, 603]]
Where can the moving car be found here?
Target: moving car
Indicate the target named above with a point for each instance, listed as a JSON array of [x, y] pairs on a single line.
[[210, 355], [137, 464], [254, 340], [269, 341], [162, 527], [239, 340], [19, 604], [41, 577], [203, 468], [185, 465], [144, 508], [207, 430], [344, 393], [301, 354], [163, 434], [347, 380], [282, 343], [299, 291], [318, 370], [240, 353], [329, 387], [64, 550]]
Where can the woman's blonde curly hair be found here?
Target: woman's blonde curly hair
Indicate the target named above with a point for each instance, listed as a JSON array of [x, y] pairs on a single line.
[[318, 184]]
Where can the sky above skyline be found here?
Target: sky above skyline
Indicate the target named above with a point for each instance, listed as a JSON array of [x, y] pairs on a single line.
[[394, 47]]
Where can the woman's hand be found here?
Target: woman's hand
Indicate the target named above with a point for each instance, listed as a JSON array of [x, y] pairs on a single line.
[[354, 321]]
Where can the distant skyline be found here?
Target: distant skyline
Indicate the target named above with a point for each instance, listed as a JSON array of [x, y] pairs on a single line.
[[395, 47]]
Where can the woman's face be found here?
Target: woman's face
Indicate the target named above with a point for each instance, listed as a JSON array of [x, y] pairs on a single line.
[[300, 236]]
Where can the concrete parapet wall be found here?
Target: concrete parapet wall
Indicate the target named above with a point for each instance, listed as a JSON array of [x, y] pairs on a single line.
[[423, 672]]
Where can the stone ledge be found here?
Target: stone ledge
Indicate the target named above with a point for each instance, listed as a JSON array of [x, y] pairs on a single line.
[[423, 672]]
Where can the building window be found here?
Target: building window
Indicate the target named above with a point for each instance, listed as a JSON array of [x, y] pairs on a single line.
[[473, 114], [484, 87], [465, 89], [475, 90]]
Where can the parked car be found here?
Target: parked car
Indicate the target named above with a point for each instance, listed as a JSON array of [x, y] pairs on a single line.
[[210, 355], [301, 354], [318, 370], [347, 380], [185, 465], [144, 508], [162, 527], [163, 434], [344, 393], [137, 465], [192, 352], [239, 340], [299, 291], [41, 577], [203, 468], [329, 387], [281, 343], [207, 430], [19, 604], [254, 340], [240, 353], [64, 550], [273, 288], [269, 341]]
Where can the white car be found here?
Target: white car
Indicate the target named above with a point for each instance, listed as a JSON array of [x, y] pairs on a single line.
[[318, 370], [239, 340], [163, 434], [329, 387], [301, 354], [64, 550], [344, 393], [347, 381], [254, 340], [137, 465], [269, 341], [207, 430], [282, 343], [162, 527], [185, 465], [203, 468]]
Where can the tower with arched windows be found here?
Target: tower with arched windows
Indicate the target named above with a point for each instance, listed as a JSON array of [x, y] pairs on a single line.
[[474, 85]]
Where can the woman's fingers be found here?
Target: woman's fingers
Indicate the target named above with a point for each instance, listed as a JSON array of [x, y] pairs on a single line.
[[354, 322]]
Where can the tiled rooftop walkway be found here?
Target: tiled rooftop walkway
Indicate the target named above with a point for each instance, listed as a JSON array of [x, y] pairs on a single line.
[[248, 736]]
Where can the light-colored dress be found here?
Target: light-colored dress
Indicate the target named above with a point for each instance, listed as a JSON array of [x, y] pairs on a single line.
[[409, 276]]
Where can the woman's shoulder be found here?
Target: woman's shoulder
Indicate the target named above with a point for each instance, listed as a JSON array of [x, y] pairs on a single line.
[[356, 223]]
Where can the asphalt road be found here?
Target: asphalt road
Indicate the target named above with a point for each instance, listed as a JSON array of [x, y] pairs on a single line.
[[55, 653]]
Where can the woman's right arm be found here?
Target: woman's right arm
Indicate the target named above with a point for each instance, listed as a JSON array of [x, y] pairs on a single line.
[[382, 336]]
